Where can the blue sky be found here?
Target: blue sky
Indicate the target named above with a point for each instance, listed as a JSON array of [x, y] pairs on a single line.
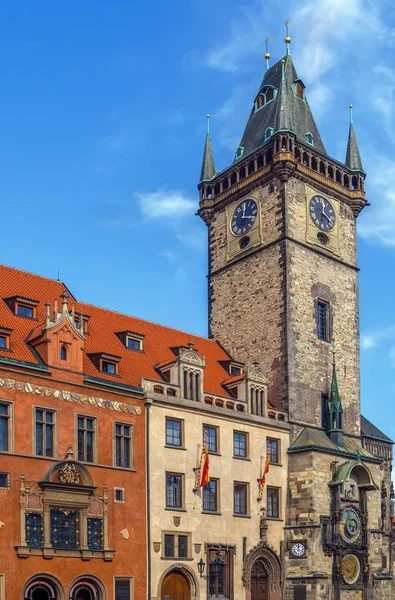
[[103, 110]]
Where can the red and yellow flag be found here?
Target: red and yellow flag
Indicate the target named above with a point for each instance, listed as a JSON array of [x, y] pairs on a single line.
[[205, 471], [262, 479]]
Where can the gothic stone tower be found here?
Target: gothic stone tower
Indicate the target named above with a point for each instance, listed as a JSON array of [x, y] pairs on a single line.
[[283, 284]]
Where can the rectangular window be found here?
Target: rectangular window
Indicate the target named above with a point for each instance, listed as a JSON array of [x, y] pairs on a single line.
[[174, 495], [176, 545], [4, 427], [273, 450], [210, 437], [239, 444], [4, 481], [108, 367], [123, 445], [86, 438], [65, 528], [3, 341], [323, 311], [123, 589], [133, 344], [221, 576], [240, 498], [210, 496], [34, 530], [119, 494], [273, 503], [25, 311], [45, 432], [173, 432], [95, 533]]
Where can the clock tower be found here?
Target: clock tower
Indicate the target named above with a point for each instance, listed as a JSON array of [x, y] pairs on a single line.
[[283, 291]]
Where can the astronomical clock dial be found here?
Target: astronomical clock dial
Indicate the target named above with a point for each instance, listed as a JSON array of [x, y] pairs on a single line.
[[244, 217], [298, 549], [322, 213], [350, 526], [350, 568]]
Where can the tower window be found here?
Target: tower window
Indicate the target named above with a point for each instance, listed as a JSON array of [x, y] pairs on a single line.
[[267, 95], [268, 133], [310, 138], [323, 320], [298, 88], [63, 353], [239, 152]]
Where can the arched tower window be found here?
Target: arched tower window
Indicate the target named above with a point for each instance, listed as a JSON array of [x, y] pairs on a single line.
[[63, 353], [268, 133], [266, 95]]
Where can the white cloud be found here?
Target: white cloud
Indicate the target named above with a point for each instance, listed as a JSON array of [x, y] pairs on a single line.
[[367, 342], [165, 203]]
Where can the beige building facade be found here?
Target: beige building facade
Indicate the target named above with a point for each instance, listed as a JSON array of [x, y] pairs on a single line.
[[225, 521]]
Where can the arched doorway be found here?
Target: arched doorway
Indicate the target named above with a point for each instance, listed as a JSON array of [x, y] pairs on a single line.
[[175, 586], [43, 588], [259, 581]]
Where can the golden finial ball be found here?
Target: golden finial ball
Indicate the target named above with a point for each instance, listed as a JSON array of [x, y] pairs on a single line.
[[283, 62], [208, 116], [267, 56], [287, 40], [350, 105]]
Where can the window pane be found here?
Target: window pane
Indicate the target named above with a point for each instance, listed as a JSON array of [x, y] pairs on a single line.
[[89, 424], [126, 453], [183, 546], [272, 448], [210, 433], [322, 318], [122, 589], [64, 528], [89, 446], [34, 530], [169, 546], [81, 455], [118, 458], [173, 490], [49, 417], [95, 534], [39, 439], [210, 496], [240, 498], [272, 502], [240, 444], [3, 409], [49, 440], [2, 341], [81, 422], [173, 432]]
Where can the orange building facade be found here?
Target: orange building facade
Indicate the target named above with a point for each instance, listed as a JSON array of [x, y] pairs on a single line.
[[72, 447]]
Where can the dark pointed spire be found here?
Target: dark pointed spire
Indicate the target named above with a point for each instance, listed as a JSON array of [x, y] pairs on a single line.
[[282, 118], [353, 158], [208, 166], [335, 408]]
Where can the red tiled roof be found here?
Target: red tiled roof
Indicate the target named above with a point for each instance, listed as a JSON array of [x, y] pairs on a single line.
[[103, 327]]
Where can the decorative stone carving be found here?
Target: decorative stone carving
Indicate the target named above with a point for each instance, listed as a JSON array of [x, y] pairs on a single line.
[[198, 548], [69, 473], [272, 564], [156, 547]]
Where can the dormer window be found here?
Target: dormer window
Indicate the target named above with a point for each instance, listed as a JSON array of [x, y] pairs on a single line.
[[239, 152], [265, 96], [134, 342], [5, 339], [310, 138], [109, 367], [131, 340], [235, 370], [298, 89], [25, 311], [268, 133]]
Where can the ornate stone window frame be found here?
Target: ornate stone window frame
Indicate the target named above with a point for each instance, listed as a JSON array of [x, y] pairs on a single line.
[[67, 485]]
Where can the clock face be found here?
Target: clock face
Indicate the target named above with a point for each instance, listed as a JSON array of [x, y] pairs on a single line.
[[350, 526], [298, 549], [322, 213], [244, 217]]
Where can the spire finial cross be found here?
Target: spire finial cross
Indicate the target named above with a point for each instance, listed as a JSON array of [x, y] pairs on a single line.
[[287, 39], [267, 53]]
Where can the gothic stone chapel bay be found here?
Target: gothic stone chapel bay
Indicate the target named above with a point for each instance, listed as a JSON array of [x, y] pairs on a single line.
[[138, 461]]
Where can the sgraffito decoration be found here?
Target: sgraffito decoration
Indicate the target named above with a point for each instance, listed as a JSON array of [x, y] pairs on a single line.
[[48, 392]]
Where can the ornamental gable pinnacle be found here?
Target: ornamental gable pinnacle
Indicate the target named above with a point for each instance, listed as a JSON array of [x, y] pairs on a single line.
[[208, 166]]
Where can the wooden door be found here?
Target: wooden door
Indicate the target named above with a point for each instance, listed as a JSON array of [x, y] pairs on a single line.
[[175, 587], [259, 582]]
